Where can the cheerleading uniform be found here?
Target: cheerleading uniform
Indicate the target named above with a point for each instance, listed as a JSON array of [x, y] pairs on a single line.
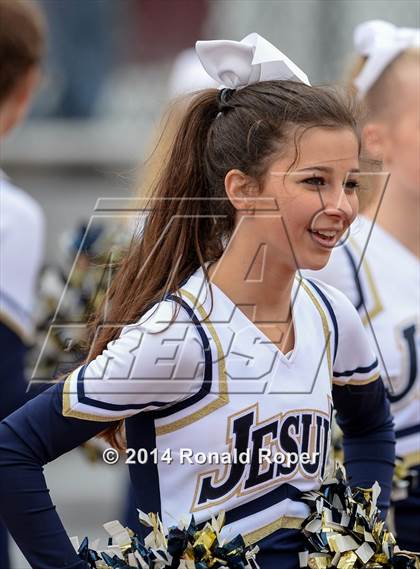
[[21, 249], [381, 278], [211, 382]]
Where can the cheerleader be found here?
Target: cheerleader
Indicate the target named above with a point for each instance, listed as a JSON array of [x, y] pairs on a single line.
[[212, 343], [383, 281], [21, 218]]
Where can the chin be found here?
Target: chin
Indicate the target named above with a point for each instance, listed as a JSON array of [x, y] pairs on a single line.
[[316, 263]]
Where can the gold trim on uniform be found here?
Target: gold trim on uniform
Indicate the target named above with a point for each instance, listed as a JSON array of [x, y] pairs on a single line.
[[223, 399], [285, 522], [374, 377], [377, 303], [327, 333], [68, 412]]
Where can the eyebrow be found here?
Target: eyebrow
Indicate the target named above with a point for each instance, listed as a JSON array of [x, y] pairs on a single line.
[[325, 169]]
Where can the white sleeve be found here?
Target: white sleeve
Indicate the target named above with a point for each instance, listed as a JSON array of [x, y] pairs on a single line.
[[355, 361], [341, 273], [22, 231], [150, 366]]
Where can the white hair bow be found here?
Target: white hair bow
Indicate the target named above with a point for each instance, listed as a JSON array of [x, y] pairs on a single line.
[[236, 64], [381, 42]]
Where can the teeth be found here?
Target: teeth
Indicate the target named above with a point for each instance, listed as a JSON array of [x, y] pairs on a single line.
[[327, 233]]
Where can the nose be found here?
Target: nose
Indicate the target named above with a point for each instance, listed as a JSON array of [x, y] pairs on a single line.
[[340, 204]]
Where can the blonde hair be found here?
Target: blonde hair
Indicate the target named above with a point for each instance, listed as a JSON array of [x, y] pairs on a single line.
[[379, 99], [378, 104]]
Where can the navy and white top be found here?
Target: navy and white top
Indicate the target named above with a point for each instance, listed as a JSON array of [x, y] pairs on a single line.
[[21, 254], [210, 382], [381, 277], [22, 233]]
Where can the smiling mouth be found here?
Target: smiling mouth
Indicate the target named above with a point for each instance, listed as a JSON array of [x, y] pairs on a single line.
[[325, 237]]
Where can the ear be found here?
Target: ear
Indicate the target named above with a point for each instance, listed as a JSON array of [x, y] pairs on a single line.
[[373, 140], [242, 190]]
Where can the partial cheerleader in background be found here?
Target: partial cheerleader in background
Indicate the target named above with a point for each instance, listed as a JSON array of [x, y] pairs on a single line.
[[22, 224], [213, 345], [378, 266]]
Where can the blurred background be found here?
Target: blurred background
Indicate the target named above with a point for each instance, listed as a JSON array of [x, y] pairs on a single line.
[[105, 84]]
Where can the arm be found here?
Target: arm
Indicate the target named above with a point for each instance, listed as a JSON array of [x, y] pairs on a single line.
[[364, 416], [363, 410], [137, 372], [29, 438]]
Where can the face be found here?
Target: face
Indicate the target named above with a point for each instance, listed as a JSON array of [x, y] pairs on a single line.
[[401, 144], [316, 199]]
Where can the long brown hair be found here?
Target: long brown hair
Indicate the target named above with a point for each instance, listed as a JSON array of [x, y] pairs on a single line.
[[22, 42], [184, 228]]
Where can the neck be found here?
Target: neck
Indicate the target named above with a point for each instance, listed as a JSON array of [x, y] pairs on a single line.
[[399, 215], [259, 287]]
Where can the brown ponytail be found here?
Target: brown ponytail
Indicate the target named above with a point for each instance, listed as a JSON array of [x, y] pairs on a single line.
[[22, 42], [189, 217]]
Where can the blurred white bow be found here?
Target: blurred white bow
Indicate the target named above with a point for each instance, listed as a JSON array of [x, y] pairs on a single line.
[[234, 64], [381, 42]]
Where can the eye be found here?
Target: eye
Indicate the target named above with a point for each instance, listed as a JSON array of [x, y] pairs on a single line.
[[352, 185], [316, 181]]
